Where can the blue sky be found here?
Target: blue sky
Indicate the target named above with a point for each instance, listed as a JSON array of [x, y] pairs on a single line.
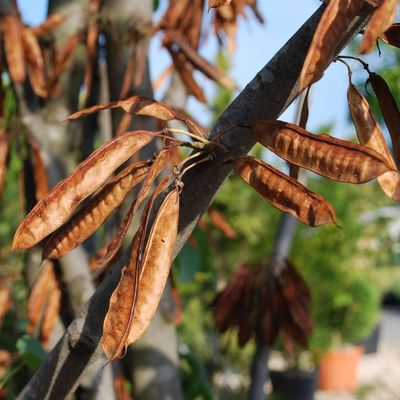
[[256, 45]]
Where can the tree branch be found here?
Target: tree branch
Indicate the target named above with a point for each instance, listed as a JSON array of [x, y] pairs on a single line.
[[273, 89]]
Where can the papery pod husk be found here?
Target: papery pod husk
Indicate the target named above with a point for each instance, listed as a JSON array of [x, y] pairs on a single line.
[[89, 218], [333, 158], [54, 209], [284, 192], [134, 314]]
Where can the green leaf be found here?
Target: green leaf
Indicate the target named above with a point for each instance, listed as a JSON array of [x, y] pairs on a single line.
[[156, 4], [31, 351]]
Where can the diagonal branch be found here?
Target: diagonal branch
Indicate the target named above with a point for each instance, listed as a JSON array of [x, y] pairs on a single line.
[[273, 89]]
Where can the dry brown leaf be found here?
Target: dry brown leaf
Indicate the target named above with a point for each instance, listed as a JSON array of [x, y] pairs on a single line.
[[380, 21], [284, 192], [4, 148], [51, 23], [218, 3], [390, 112], [159, 164], [86, 221], [330, 31], [392, 35], [54, 209], [327, 156], [218, 220], [209, 70], [370, 134], [130, 310], [14, 49], [35, 61]]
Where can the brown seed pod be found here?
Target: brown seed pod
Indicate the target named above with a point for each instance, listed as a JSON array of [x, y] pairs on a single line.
[[333, 158], [52, 22], [186, 74], [218, 3], [130, 310], [284, 192], [159, 164], [4, 148], [35, 61], [86, 221], [370, 134], [140, 105], [380, 21], [390, 112], [330, 31], [14, 48], [216, 74], [54, 209], [392, 35]]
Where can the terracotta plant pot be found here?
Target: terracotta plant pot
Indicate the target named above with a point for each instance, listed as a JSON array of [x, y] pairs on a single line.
[[338, 369]]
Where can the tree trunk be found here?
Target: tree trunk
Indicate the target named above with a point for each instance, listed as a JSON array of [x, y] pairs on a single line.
[[273, 89]]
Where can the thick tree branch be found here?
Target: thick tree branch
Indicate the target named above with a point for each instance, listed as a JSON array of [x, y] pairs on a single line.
[[266, 97]]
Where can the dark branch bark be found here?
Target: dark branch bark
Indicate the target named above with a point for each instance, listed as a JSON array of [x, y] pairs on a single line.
[[266, 97]]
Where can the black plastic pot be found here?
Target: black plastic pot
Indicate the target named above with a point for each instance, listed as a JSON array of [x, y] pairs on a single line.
[[371, 342], [293, 384]]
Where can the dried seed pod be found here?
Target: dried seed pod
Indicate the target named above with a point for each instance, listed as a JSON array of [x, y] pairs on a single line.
[[392, 35], [4, 148], [333, 158], [330, 31], [380, 21], [35, 61], [54, 209], [370, 134], [218, 220], [131, 310], [52, 22], [176, 38], [218, 3], [39, 170], [86, 221], [186, 74], [14, 48], [390, 112], [159, 164], [284, 192]]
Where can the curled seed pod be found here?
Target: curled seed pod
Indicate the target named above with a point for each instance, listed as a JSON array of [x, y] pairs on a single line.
[[141, 105], [284, 192], [392, 35], [330, 31], [370, 134], [390, 111], [132, 305], [333, 158], [54, 209], [380, 21], [159, 164], [86, 221], [14, 49]]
